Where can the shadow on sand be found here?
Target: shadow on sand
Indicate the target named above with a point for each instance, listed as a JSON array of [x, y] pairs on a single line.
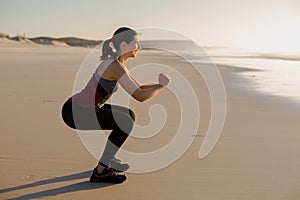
[[84, 185]]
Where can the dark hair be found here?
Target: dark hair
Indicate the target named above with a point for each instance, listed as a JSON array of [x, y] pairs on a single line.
[[111, 46]]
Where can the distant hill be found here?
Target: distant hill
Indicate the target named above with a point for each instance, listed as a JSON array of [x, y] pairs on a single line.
[[71, 41], [65, 41]]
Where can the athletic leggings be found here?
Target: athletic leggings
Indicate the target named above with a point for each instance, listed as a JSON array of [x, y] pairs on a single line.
[[108, 117]]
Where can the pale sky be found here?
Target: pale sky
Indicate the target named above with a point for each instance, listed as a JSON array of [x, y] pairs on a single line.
[[255, 24]]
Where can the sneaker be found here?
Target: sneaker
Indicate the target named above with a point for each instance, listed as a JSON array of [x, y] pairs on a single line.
[[117, 166], [107, 176]]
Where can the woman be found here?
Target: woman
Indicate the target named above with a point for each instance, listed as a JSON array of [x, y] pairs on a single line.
[[80, 109]]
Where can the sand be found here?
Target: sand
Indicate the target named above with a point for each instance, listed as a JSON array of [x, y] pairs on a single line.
[[256, 157]]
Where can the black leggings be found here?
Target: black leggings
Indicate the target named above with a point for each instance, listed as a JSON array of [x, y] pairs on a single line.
[[109, 117]]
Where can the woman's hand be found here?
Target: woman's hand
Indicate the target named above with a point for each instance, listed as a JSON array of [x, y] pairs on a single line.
[[163, 79]]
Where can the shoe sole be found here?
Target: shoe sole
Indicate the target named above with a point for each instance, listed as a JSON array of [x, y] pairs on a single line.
[[121, 179]]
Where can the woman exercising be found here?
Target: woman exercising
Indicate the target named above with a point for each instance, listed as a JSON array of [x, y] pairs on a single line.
[[80, 110]]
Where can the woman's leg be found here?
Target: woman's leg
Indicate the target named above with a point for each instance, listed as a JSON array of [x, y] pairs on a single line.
[[120, 120], [109, 117]]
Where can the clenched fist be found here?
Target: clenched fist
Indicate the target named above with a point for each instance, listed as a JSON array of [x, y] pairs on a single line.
[[163, 79]]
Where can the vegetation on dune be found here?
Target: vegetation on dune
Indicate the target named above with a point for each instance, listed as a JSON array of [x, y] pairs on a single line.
[[2, 35], [71, 41]]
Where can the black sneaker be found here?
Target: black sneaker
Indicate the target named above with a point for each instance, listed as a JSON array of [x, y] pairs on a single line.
[[117, 166], [107, 176]]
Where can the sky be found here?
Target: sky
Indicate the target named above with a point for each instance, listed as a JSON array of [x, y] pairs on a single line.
[[266, 25]]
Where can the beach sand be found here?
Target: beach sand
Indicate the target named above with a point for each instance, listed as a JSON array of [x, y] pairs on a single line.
[[256, 157]]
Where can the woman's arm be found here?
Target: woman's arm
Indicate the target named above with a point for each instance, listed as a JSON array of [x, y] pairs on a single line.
[[148, 92], [142, 86], [140, 93]]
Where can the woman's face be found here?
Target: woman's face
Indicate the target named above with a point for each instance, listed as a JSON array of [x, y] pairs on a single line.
[[130, 50]]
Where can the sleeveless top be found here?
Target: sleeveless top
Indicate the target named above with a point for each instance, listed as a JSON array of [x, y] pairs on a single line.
[[96, 92]]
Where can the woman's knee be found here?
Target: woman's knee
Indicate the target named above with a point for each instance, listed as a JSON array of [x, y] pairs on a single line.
[[124, 122]]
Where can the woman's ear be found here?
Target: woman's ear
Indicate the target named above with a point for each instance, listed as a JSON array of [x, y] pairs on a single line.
[[123, 47], [123, 44]]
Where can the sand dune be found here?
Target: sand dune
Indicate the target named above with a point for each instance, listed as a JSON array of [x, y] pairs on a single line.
[[26, 43], [23, 40], [5, 42], [66, 41]]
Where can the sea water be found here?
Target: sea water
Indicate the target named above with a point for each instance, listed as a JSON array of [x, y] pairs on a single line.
[[275, 74]]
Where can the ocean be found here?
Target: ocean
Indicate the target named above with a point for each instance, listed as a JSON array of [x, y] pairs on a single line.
[[271, 73]]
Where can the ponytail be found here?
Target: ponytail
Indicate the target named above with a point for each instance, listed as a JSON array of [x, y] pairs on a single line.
[[108, 50]]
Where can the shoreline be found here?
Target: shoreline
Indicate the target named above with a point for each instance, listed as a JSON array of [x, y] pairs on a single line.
[[263, 77]]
